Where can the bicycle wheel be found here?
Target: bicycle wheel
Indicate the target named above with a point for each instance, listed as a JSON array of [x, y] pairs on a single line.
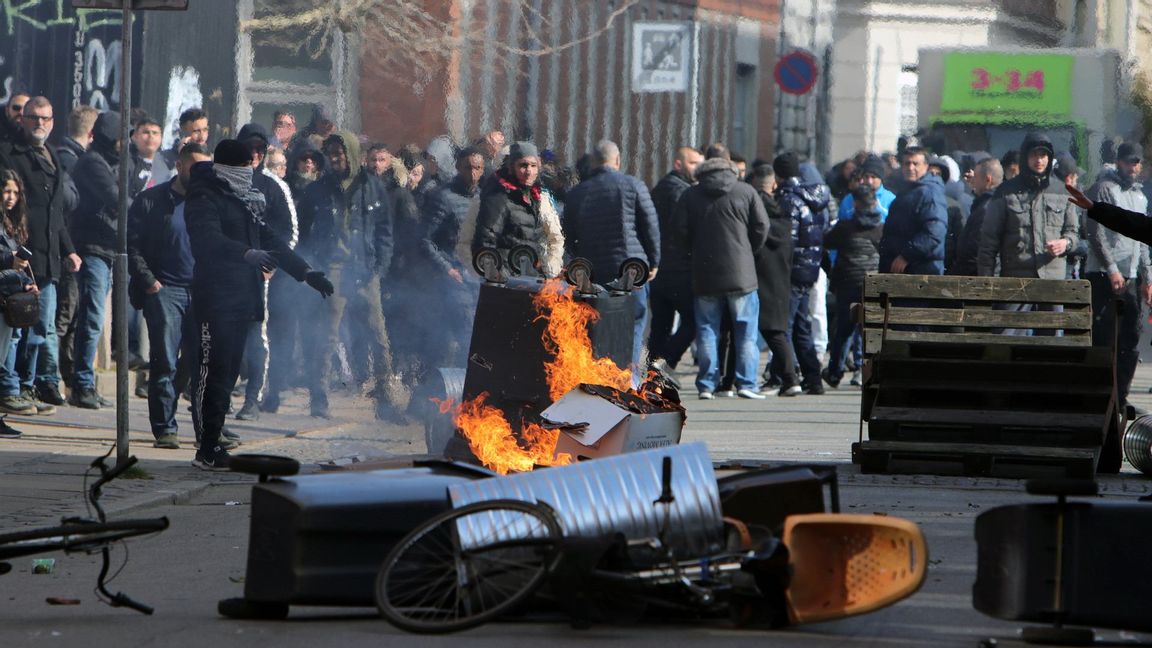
[[467, 566], [75, 536]]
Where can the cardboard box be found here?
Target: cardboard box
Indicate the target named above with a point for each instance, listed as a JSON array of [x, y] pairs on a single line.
[[610, 428]]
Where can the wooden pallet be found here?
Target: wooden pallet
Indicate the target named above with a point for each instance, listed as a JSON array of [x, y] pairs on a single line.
[[978, 460], [946, 389]]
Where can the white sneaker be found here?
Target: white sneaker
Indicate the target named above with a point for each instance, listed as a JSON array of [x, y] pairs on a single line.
[[706, 396], [748, 393], [855, 382], [794, 390], [726, 393]]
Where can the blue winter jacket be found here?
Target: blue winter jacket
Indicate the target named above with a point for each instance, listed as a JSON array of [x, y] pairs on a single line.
[[807, 207], [609, 218], [916, 227]]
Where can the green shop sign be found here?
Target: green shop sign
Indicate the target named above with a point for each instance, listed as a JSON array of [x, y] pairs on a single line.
[[1008, 83]]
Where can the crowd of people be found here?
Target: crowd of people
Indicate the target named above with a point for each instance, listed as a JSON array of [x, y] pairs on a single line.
[[228, 245]]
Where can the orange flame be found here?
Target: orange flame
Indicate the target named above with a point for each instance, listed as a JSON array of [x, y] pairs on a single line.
[[566, 337], [490, 434], [491, 440]]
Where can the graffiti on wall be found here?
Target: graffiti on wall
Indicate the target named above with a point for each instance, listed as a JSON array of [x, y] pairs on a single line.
[[35, 33]]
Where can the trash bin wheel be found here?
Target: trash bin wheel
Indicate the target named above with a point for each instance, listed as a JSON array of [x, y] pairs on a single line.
[[1063, 636], [264, 465], [467, 566], [242, 608]]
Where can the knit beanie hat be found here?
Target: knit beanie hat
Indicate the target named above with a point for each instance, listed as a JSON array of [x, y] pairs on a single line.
[[874, 166], [230, 152], [787, 165], [522, 150]]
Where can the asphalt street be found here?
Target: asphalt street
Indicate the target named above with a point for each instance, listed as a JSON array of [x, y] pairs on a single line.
[[201, 558]]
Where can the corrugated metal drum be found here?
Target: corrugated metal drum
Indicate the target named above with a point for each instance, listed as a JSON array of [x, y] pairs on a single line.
[[615, 494], [444, 385], [1138, 444]]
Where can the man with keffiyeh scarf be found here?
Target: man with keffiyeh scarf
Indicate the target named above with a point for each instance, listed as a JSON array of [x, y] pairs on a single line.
[[233, 248]]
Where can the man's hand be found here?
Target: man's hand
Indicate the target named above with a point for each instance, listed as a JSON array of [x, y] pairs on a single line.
[[33, 288], [1117, 281], [319, 283], [260, 259], [652, 273], [1077, 197], [73, 262], [899, 264], [18, 263], [154, 288], [1056, 247], [456, 276], [1147, 290]]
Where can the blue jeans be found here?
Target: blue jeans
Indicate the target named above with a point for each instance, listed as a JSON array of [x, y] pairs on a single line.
[[800, 333], [639, 326], [94, 281], [166, 313], [9, 379], [37, 355], [744, 309], [844, 337]]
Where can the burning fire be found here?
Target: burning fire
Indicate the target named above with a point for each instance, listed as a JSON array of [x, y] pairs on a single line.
[[490, 434]]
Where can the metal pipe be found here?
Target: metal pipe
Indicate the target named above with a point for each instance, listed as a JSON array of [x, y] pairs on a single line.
[[120, 269]]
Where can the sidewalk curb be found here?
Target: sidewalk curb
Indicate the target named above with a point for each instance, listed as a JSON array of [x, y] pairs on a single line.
[[180, 492]]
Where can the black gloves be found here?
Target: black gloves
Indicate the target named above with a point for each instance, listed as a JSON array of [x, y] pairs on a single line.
[[319, 283], [260, 259]]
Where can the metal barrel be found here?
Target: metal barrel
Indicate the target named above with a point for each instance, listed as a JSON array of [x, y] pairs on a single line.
[[610, 495], [1138, 444], [445, 385]]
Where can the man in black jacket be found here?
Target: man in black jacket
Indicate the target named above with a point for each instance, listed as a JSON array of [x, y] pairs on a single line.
[[93, 229], [671, 291], [722, 222], [351, 239], [232, 248], [50, 195], [160, 263]]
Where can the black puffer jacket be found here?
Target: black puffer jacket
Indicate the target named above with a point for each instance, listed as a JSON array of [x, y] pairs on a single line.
[[774, 268], [807, 206], [857, 244], [609, 218], [674, 260], [506, 218], [221, 228], [722, 222], [444, 214]]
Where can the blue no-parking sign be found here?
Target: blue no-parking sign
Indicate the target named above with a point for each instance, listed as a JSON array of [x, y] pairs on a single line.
[[796, 72]]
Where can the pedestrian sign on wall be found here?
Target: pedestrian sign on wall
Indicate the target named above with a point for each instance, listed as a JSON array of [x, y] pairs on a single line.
[[661, 56]]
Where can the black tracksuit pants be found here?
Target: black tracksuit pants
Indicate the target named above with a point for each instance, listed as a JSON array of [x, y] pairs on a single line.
[[220, 351]]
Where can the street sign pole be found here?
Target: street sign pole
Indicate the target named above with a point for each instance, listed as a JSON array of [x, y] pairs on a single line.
[[120, 270], [120, 267]]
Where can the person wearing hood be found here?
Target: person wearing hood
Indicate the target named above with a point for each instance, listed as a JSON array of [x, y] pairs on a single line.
[[1118, 265], [93, 230], [913, 239], [722, 222], [233, 249], [352, 239], [515, 209], [857, 243], [1028, 227], [940, 167], [806, 206]]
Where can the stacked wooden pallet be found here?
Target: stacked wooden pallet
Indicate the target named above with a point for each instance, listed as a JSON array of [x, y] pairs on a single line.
[[949, 389]]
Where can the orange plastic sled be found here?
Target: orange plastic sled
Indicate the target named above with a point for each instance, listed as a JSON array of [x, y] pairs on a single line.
[[844, 565]]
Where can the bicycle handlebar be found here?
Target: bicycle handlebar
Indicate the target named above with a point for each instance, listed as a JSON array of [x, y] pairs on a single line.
[[120, 599]]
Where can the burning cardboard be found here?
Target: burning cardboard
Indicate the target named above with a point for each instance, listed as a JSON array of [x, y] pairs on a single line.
[[596, 421]]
